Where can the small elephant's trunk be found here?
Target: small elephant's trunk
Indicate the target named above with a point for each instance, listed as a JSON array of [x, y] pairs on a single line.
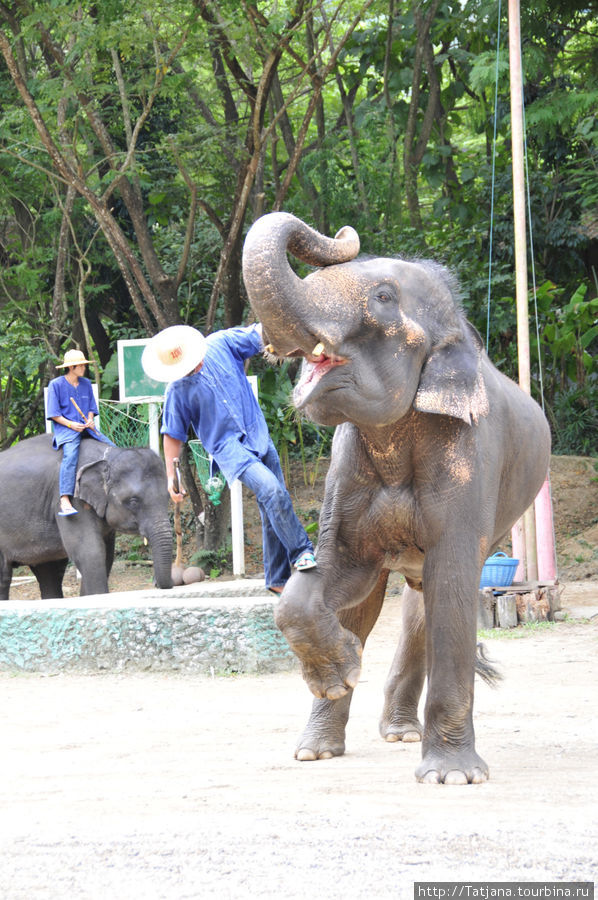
[[160, 543], [280, 299]]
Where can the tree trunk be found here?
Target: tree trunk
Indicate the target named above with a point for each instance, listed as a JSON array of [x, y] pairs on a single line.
[[216, 523], [414, 146]]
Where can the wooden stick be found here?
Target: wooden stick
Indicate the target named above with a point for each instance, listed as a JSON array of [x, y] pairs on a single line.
[[81, 413], [176, 484]]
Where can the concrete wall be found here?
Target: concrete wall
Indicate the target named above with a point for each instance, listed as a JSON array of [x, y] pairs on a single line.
[[211, 628]]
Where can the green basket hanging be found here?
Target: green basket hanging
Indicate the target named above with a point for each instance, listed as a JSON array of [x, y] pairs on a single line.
[[213, 485]]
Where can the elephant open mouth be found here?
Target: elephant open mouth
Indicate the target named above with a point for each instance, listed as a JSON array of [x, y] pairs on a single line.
[[316, 366]]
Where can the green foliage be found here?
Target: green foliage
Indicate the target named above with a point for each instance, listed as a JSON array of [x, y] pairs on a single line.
[[135, 548], [197, 139], [293, 436], [22, 359], [574, 421], [570, 333], [213, 562]]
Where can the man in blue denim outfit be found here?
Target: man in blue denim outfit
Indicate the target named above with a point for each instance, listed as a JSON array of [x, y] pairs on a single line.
[[209, 390], [71, 406]]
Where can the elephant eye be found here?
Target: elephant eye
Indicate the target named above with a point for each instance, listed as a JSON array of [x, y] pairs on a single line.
[[384, 295], [132, 502]]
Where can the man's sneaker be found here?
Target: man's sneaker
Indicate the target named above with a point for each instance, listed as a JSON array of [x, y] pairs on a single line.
[[306, 561]]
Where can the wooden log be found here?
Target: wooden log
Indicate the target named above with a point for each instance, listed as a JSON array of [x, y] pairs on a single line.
[[553, 593], [486, 607], [506, 610], [533, 607]]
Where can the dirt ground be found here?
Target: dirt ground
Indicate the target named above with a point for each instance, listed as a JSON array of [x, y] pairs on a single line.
[[181, 786]]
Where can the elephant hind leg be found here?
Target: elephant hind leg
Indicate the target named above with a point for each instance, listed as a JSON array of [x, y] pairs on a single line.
[[324, 734], [49, 576], [399, 721]]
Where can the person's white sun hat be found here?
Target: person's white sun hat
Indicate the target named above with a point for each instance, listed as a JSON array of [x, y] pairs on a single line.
[[173, 353]]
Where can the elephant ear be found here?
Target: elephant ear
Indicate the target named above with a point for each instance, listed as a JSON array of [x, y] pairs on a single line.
[[451, 382], [92, 485]]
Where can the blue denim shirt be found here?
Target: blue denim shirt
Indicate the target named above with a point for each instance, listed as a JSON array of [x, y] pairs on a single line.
[[219, 403], [59, 403]]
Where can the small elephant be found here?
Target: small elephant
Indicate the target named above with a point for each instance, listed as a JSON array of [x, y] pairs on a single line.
[[436, 455], [117, 489]]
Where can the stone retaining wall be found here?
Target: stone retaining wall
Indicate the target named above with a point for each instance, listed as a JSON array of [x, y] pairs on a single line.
[[211, 628]]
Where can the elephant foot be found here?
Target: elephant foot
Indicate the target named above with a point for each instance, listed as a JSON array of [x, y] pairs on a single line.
[[318, 750], [330, 655], [324, 734], [400, 727], [455, 767], [408, 734]]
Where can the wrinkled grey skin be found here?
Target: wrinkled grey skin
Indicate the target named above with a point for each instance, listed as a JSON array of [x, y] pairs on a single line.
[[438, 454], [117, 489]]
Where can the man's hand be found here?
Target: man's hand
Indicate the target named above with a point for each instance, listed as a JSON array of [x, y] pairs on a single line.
[[177, 496], [172, 451], [69, 423]]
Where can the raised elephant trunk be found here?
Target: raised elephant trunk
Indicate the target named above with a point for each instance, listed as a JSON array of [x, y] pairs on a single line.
[[269, 277]]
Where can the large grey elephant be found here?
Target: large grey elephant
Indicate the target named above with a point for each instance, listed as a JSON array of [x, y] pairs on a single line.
[[118, 490], [438, 454]]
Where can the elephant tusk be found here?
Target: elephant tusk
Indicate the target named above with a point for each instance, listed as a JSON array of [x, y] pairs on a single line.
[[318, 349]]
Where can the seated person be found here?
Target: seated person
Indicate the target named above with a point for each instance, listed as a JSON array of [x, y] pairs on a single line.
[[72, 407]]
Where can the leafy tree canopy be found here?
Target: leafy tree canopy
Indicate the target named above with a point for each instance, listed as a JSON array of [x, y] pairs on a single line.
[[139, 140]]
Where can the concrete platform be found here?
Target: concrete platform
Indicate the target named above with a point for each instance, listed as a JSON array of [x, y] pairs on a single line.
[[210, 627]]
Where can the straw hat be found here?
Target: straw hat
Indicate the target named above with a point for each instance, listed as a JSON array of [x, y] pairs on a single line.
[[173, 353], [73, 358]]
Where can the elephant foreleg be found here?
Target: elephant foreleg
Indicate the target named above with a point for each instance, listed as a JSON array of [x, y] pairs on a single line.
[[110, 543], [308, 615], [399, 721], [448, 748], [5, 577], [94, 570], [49, 577], [324, 734]]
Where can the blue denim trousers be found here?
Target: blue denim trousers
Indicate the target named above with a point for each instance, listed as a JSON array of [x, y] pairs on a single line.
[[284, 537], [70, 457], [68, 468]]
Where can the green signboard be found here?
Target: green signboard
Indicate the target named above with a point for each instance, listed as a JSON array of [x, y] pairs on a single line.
[[134, 385]]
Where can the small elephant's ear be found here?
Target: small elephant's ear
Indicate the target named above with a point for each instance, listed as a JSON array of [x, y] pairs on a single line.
[[92, 485], [451, 382]]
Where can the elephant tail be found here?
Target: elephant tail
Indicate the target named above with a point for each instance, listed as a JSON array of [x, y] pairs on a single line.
[[485, 669]]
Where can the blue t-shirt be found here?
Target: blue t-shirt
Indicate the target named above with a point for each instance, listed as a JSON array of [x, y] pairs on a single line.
[[219, 403], [60, 391]]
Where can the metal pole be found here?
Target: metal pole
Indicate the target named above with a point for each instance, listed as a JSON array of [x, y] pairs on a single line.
[[236, 511], [237, 530], [154, 427], [519, 222]]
